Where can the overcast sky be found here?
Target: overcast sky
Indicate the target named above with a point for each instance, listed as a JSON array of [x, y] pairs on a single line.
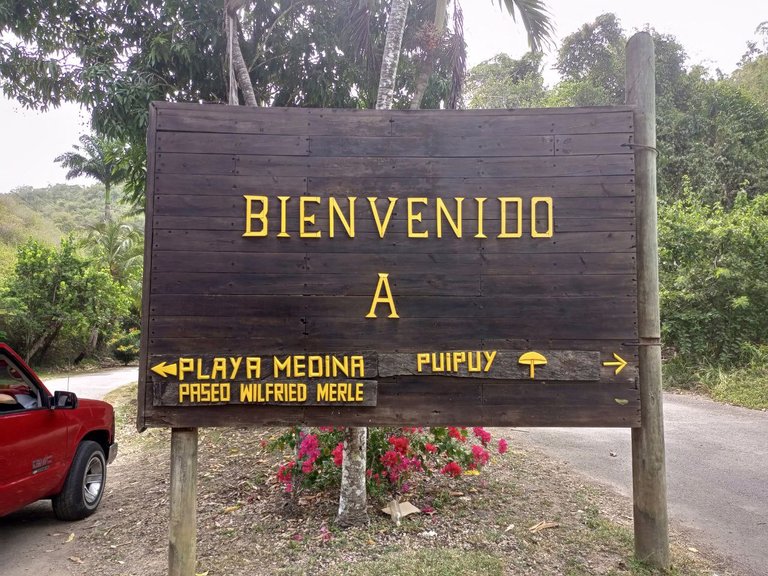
[[713, 35]]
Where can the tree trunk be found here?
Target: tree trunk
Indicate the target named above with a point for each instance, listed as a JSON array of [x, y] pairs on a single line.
[[352, 496], [42, 344], [236, 55], [107, 202], [391, 56], [434, 37]]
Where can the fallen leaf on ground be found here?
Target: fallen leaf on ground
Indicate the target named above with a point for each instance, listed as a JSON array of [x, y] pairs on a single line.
[[692, 549], [76, 560], [508, 528], [69, 538], [542, 526]]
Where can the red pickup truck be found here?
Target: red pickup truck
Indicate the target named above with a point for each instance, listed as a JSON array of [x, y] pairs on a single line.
[[51, 445]]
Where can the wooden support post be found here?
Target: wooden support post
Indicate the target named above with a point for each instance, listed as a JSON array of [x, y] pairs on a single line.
[[648, 461], [182, 546]]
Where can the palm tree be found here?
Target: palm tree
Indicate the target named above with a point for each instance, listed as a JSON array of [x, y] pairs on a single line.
[[532, 13], [96, 157]]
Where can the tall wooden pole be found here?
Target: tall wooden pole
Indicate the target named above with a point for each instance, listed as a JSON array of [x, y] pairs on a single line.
[[182, 544], [649, 475]]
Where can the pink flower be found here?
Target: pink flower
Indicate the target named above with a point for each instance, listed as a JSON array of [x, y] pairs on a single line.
[[503, 447], [338, 454], [399, 443], [480, 455], [451, 469], [483, 435], [454, 432]]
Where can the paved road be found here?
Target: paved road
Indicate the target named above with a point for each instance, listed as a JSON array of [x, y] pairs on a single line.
[[94, 385], [32, 541], [717, 471]]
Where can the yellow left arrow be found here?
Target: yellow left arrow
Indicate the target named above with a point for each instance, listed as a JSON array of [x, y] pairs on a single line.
[[619, 363], [165, 370]]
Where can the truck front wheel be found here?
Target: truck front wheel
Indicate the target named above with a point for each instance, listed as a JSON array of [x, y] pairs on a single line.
[[84, 485]]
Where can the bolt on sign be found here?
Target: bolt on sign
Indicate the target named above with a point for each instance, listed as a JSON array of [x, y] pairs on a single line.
[[361, 267]]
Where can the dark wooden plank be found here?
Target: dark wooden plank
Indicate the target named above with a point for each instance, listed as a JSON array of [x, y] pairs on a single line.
[[520, 124], [398, 264], [445, 282], [170, 163], [382, 167], [558, 365], [267, 392], [557, 187], [241, 308], [463, 146], [207, 240], [194, 143], [224, 185], [581, 144]]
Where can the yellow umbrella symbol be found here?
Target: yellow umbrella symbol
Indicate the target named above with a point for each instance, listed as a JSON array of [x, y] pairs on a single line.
[[532, 359]]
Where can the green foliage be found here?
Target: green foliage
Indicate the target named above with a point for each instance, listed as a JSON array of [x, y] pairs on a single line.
[[503, 82], [743, 385], [56, 294], [125, 348], [714, 276]]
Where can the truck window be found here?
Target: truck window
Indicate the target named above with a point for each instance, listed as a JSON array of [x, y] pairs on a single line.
[[17, 392]]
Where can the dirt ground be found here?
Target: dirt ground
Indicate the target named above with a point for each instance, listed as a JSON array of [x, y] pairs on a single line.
[[245, 527]]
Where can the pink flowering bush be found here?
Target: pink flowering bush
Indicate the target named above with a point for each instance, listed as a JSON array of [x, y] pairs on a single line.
[[396, 457]]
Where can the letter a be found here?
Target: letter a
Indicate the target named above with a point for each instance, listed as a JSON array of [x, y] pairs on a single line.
[[383, 284]]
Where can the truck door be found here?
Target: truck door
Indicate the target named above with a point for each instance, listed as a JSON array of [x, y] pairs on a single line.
[[33, 440]]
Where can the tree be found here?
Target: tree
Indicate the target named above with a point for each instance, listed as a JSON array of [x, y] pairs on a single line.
[[54, 293], [503, 82], [752, 74], [97, 157]]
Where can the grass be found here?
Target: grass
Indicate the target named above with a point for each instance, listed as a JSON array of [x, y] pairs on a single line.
[[745, 385], [429, 562]]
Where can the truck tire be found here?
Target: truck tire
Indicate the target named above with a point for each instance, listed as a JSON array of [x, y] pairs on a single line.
[[84, 486]]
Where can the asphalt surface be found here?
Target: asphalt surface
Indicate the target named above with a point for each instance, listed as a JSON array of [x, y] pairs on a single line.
[[717, 471], [96, 384]]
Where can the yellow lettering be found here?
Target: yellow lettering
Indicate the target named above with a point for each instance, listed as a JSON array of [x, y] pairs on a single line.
[[349, 225], [235, 366], [219, 368], [279, 389], [200, 374], [442, 210], [285, 365], [382, 227], [359, 392], [299, 366], [283, 209], [503, 201], [415, 217], [323, 393], [246, 392], [489, 356], [183, 391], [422, 358], [261, 215], [253, 367], [305, 219], [480, 202], [358, 367], [550, 217], [315, 366], [339, 366], [186, 365], [301, 395], [383, 284]]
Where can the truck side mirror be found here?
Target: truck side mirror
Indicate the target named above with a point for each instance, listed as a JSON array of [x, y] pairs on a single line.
[[63, 399]]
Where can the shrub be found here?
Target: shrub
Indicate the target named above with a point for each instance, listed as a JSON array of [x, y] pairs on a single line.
[[396, 457], [125, 348]]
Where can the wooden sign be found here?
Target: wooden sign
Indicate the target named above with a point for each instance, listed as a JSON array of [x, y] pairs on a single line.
[[359, 267]]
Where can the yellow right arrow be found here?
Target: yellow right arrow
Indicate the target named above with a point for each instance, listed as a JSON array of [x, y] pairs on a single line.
[[165, 369], [620, 363]]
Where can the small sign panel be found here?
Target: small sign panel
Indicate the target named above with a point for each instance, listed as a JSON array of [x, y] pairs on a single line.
[[361, 267]]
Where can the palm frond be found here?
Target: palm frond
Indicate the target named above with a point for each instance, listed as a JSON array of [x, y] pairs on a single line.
[[535, 18]]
